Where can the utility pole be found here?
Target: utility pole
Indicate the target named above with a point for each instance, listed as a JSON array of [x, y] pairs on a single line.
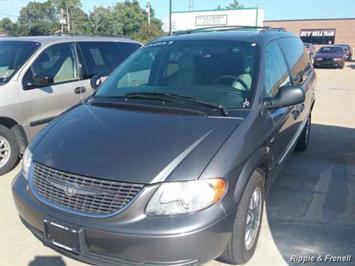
[[148, 14], [148, 11], [170, 11], [191, 5], [62, 21], [68, 20]]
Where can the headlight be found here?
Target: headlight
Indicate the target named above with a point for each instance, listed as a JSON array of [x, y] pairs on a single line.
[[338, 59], [318, 59], [185, 197], [26, 163]]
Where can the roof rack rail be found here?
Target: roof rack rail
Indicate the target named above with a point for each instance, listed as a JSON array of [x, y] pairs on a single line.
[[227, 28]]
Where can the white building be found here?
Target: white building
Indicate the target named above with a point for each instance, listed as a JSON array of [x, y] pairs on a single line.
[[188, 20]]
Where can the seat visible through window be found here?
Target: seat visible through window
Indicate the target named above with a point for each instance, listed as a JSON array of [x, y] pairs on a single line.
[[186, 74]]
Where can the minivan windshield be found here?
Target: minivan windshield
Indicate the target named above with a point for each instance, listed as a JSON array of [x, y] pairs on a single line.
[[13, 54], [331, 50], [220, 73]]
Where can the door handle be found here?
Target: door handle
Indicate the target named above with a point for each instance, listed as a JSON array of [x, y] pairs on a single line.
[[79, 90]]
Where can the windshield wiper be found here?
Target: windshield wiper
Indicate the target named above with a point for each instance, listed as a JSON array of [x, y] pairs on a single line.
[[175, 97]]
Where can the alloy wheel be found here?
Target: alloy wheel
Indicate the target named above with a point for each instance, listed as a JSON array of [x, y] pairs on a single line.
[[253, 218], [5, 151]]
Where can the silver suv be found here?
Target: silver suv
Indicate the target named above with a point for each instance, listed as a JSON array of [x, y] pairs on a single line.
[[40, 77]]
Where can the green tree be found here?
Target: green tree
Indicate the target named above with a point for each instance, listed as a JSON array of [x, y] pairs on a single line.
[[103, 22], [127, 19], [78, 19], [130, 16], [37, 19], [234, 5], [66, 4], [42, 18], [7, 26], [80, 22], [124, 18], [146, 33]]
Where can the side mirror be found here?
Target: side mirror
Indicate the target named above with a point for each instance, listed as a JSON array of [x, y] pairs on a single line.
[[42, 79], [288, 95], [39, 80], [95, 82]]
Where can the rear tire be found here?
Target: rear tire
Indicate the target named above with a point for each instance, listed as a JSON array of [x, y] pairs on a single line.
[[242, 244], [303, 141], [9, 150]]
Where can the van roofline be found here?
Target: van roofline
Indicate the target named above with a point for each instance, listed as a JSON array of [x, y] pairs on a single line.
[[67, 38], [260, 36]]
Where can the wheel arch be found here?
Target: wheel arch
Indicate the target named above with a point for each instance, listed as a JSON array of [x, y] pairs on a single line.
[[17, 130], [260, 160]]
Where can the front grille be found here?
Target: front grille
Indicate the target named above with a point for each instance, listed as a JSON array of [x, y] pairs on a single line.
[[86, 195]]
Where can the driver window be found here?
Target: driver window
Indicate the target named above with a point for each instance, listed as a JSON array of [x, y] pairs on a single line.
[[276, 73], [57, 62]]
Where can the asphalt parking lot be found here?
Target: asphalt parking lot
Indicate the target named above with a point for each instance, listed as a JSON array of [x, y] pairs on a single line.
[[310, 209]]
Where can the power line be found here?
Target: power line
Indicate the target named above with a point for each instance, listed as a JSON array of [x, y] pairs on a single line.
[[8, 15]]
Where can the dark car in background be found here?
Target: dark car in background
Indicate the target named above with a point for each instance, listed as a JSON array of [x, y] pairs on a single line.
[[311, 50], [170, 161], [348, 50], [330, 56]]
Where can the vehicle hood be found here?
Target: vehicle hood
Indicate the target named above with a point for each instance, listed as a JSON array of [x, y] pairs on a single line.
[[329, 55], [132, 146]]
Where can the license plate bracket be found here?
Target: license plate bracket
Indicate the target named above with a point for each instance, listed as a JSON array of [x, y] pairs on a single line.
[[62, 235]]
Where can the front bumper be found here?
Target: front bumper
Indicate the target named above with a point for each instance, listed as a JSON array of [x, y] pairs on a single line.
[[328, 63], [127, 239]]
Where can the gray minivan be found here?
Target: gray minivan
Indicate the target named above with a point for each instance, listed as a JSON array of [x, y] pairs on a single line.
[[40, 77], [170, 161]]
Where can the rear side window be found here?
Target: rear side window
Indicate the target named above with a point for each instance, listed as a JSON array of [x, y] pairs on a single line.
[[101, 58], [296, 57], [276, 73], [98, 58]]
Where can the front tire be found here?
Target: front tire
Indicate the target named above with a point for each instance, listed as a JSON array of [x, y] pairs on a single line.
[[247, 224], [9, 150], [303, 141]]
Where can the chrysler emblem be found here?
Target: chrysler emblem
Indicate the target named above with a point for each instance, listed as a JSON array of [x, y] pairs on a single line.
[[69, 190], [74, 189]]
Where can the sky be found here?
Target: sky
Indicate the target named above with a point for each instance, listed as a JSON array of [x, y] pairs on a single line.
[[274, 9]]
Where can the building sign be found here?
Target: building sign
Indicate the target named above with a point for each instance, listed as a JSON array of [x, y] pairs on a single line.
[[318, 36], [211, 20]]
